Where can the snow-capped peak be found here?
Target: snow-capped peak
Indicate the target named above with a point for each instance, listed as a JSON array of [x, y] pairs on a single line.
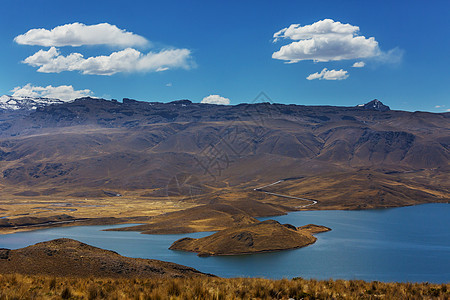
[[26, 103]]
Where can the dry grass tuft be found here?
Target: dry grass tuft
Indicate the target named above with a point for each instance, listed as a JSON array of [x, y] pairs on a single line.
[[43, 287]]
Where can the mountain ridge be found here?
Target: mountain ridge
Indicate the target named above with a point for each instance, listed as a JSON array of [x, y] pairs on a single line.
[[32, 103]]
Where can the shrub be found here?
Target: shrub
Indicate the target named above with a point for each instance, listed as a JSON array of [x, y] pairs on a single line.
[[66, 293]]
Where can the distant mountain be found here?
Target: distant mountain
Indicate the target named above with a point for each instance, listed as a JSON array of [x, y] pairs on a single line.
[[25, 103], [87, 146], [375, 105]]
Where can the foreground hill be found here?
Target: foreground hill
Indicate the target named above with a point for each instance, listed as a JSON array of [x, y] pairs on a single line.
[[264, 236], [66, 257]]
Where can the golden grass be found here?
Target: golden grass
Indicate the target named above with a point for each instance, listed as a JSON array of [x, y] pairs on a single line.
[[42, 287], [118, 207], [91, 208]]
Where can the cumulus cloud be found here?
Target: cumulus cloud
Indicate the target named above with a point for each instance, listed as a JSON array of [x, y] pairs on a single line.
[[329, 75], [62, 92], [216, 99], [359, 64], [78, 34], [323, 41], [326, 27], [127, 60]]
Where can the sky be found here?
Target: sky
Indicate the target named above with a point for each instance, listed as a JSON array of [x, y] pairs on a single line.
[[340, 53]]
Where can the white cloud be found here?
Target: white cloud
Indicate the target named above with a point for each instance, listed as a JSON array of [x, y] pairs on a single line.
[[169, 84], [329, 75], [448, 109], [216, 99], [62, 92], [78, 34], [359, 64], [323, 41], [127, 60], [325, 27], [438, 106]]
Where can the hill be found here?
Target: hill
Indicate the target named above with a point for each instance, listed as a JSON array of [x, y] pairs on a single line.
[[201, 218], [66, 257]]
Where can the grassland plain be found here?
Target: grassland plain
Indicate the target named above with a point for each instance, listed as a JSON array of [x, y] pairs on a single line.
[[16, 286]]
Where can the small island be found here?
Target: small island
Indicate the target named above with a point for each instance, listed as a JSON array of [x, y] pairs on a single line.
[[264, 236]]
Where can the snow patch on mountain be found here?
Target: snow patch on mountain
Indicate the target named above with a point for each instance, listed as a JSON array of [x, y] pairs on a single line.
[[26, 103]]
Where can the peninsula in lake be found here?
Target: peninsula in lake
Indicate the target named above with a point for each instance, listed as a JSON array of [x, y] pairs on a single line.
[[265, 236]]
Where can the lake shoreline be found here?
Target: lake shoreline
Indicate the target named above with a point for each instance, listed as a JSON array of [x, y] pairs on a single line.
[[367, 245], [131, 220]]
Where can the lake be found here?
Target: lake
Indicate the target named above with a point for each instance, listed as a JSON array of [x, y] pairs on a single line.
[[398, 244]]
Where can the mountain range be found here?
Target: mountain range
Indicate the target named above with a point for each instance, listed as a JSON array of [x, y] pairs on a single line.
[[345, 157]]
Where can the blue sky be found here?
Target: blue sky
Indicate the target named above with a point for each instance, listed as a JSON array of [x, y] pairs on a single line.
[[226, 48]]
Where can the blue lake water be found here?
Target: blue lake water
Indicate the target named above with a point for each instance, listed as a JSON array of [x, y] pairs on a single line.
[[398, 244]]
